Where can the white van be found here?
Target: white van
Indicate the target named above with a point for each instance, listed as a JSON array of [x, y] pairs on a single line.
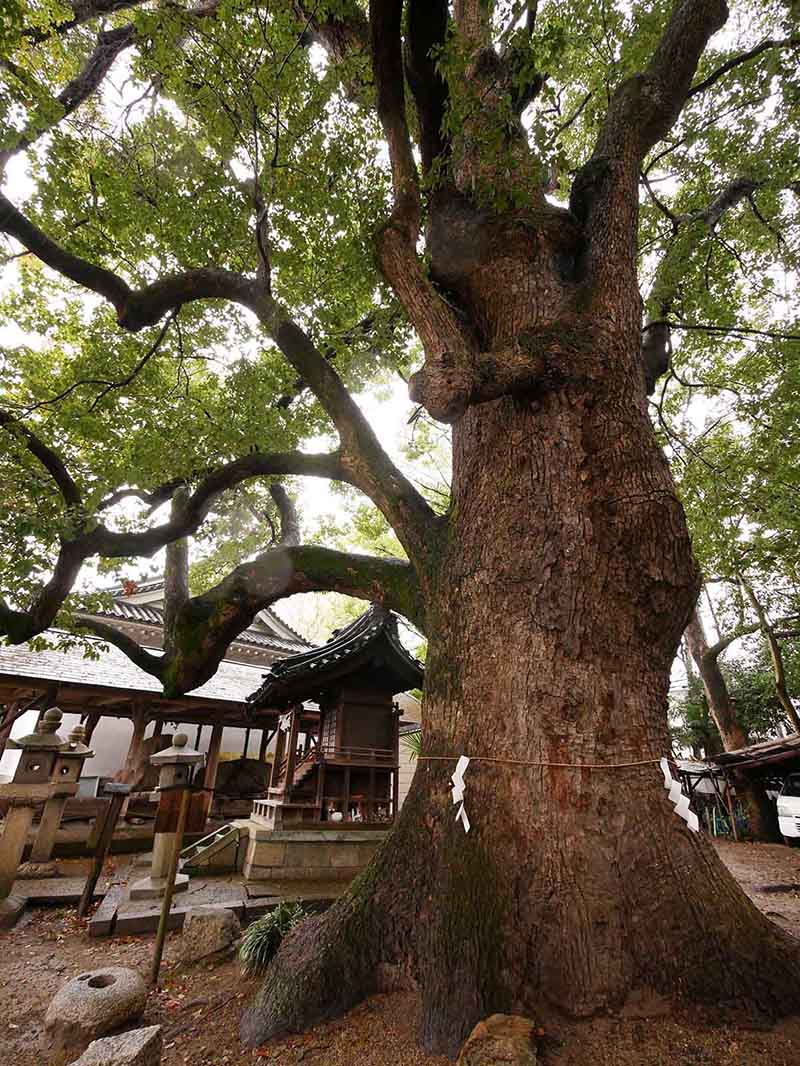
[[789, 808]]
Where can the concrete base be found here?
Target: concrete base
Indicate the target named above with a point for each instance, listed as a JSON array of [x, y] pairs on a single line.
[[307, 854], [155, 887], [10, 909]]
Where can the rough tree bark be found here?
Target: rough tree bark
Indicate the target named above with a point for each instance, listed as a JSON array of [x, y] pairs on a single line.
[[761, 813], [554, 604]]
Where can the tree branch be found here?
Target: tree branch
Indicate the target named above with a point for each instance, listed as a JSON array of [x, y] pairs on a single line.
[[21, 626], [290, 522], [385, 18], [656, 335], [135, 309], [604, 195], [52, 462], [110, 44], [737, 61], [82, 11], [208, 623], [427, 30], [364, 461], [139, 656]]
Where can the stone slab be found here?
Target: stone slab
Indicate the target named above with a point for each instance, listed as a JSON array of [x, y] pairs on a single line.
[[53, 889], [138, 1047], [102, 921]]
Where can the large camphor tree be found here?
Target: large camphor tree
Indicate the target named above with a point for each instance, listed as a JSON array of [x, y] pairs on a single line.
[[313, 190]]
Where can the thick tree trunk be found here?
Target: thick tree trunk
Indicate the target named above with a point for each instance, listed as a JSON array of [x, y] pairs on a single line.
[[561, 594], [762, 815]]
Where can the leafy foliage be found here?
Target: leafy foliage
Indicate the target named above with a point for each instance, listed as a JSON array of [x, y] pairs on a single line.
[[263, 937]]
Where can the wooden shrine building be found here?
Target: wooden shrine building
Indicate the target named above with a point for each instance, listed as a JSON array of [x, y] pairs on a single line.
[[337, 755]]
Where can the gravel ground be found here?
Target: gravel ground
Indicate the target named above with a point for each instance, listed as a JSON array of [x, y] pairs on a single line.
[[200, 1008]]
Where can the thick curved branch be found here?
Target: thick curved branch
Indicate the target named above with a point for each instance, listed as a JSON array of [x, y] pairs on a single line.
[[643, 109], [139, 656], [135, 309], [385, 17], [186, 519], [207, 624], [427, 30], [22, 625]]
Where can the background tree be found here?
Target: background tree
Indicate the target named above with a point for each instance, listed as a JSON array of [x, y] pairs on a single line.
[[310, 187]]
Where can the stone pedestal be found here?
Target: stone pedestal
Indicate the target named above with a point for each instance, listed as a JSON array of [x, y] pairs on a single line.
[[307, 854], [154, 885], [64, 780], [175, 771]]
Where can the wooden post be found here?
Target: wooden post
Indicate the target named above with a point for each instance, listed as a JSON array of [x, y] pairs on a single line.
[[280, 746], [197, 736], [212, 765], [118, 793], [170, 887], [729, 799], [291, 756], [246, 744]]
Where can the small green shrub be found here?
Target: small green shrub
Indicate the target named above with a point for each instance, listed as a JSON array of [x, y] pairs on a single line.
[[262, 939]]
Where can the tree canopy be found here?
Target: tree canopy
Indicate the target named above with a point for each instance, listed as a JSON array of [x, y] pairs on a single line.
[[195, 205]]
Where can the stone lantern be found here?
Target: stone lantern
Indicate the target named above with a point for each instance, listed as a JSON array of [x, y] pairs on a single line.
[[31, 783], [64, 781], [175, 766]]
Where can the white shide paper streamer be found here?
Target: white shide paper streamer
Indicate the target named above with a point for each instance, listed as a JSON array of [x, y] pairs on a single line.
[[458, 791], [677, 797]]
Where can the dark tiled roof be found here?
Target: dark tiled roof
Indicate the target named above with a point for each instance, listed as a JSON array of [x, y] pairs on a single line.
[[373, 636], [267, 631]]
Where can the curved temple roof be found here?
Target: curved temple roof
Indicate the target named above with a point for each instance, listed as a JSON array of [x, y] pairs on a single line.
[[371, 641]]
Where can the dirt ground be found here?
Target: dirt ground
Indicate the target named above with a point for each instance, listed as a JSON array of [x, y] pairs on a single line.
[[200, 1008]]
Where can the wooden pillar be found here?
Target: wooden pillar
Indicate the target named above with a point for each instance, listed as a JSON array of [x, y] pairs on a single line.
[[246, 744], [291, 757], [280, 747], [158, 727], [198, 736], [212, 765]]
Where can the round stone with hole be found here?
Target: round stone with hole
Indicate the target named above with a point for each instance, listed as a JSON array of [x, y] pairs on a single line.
[[92, 1005]]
